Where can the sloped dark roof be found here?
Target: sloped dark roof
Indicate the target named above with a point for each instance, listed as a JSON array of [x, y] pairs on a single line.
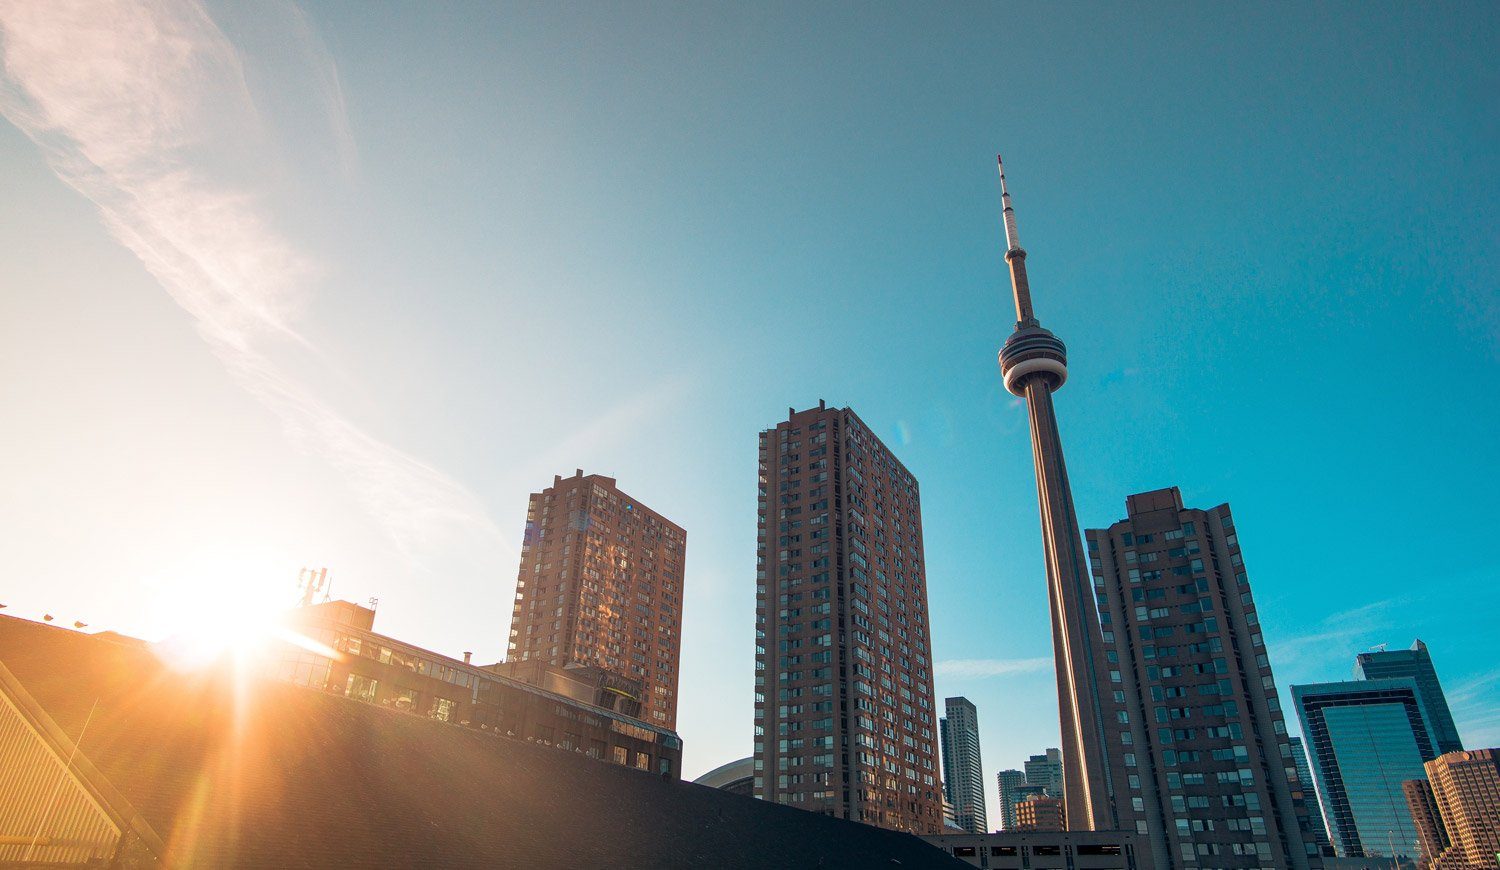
[[253, 773]]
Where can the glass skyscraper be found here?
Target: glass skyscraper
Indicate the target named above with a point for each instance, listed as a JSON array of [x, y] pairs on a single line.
[[1417, 664], [1364, 738]]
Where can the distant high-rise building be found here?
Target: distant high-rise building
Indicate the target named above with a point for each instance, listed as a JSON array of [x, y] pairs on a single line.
[[1417, 664], [1366, 737], [601, 584], [1046, 770], [1307, 794], [1432, 836], [963, 774], [1040, 813], [1198, 745], [1010, 783], [844, 718], [1464, 788]]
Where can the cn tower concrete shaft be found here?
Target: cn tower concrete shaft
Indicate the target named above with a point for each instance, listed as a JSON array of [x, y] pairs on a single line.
[[1034, 365]]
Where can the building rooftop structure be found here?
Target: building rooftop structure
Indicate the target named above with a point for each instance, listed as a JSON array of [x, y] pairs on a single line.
[[575, 707], [736, 777], [219, 767], [1047, 850]]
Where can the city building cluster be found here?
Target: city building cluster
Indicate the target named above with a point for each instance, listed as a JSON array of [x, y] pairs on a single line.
[[1175, 751]]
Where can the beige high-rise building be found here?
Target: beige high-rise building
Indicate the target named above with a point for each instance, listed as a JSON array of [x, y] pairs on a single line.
[[845, 722], [1464, 787], [601, 584]]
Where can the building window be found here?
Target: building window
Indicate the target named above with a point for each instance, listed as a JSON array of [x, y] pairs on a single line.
[[361, 688], [619, 755]]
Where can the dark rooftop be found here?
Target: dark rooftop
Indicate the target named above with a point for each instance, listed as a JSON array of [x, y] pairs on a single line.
[[252, 773]]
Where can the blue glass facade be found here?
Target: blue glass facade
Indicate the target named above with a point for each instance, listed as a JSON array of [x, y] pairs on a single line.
[[1363, 739], [1417, 664]]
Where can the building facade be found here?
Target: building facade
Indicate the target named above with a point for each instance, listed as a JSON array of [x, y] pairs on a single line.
[[1464, 789], [1047, 850], [1198, 744], [844, 713], [1415, 663], [601, 585], [963, 773], [578, 710], [1040, 813], [1432, 836], [1365, 738], [1010, 783], [1046, 770], [1306, 792]]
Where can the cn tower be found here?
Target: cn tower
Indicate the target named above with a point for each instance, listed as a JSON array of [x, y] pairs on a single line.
[[1034, 365]]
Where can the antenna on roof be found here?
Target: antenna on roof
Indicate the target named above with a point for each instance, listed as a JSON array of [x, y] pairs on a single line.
[[311, 582]]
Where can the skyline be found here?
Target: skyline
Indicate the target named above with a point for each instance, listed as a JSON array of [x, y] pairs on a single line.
[[1200, 261]]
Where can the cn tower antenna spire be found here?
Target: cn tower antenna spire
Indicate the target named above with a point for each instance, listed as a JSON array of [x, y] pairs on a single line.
[[1015, 255], [1034, 365]]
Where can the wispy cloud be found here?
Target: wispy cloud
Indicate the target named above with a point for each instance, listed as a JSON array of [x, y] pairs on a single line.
[[1338, 633], [1476, 708], [981, 668], [126, 99]]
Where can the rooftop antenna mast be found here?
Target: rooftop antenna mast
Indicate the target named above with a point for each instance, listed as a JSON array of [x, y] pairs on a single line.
[[312, 581]]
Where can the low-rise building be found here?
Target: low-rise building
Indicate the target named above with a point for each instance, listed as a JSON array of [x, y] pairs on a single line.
[[1047, 850], [1041, 813], [334, 648], [736, 777], [111, 757]]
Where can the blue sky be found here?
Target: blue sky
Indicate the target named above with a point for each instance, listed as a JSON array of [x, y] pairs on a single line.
[[338, 284]]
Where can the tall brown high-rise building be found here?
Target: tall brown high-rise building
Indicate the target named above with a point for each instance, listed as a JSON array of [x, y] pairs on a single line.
[[1198, 743], [1464, 787], [845, 722], [601, 584], [1426, 818], [1034, 365]]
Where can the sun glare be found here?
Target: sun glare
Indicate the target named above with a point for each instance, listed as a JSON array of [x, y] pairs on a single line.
[[237, 607]]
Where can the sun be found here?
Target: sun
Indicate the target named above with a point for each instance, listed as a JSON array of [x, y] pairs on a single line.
[[212, 607]]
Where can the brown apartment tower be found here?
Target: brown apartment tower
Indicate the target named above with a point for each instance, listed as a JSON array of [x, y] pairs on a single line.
[[845, 722], [1199, 750], [1457, 809], [601, 584], [1034, 365]]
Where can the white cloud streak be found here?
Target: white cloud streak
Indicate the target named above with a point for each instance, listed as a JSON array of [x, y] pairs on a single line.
[[982, 668], [124, 98], [1343, 632]]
